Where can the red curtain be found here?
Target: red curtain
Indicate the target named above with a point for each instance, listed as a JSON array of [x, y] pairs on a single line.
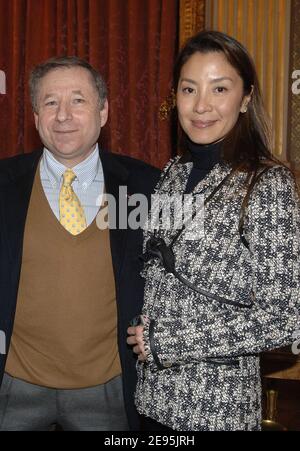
[[132, 42]]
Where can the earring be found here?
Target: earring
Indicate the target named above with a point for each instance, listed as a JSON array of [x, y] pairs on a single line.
[[245, 109], [167, 106]]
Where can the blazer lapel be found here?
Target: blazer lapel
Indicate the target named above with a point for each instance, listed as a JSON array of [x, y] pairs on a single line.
[[115, 176], [15, 202], [175, 183], [179, 175]]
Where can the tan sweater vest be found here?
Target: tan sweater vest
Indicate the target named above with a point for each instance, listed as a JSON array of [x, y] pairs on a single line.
[[65, 330]]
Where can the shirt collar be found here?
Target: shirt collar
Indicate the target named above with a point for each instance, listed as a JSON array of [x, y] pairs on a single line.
[[86, 172]]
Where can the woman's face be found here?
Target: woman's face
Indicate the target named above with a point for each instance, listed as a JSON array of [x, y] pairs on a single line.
[[209, 97]]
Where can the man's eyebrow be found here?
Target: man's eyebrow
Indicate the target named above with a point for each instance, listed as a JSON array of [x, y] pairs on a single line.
[[48, 95]]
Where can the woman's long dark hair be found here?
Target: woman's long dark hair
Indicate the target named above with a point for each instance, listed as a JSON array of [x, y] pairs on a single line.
[[248, 146]]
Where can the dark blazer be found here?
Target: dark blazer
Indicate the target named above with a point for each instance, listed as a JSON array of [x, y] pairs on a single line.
[[16, 181]]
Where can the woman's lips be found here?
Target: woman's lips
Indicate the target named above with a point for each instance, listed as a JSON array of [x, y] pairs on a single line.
[[203, 124]]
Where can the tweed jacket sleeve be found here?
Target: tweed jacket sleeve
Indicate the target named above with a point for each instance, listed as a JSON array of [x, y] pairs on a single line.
[[272, 228]]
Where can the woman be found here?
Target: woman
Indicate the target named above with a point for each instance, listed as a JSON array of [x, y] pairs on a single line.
[[213, 303]]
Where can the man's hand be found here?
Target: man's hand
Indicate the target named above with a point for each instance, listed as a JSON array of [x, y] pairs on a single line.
[[136, 339]]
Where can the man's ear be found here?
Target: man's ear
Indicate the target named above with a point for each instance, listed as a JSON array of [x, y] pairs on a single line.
[[104, 114], [36, 120]]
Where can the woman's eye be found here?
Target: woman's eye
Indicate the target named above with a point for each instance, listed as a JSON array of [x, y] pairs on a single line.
[[188, 90], [220, 89]]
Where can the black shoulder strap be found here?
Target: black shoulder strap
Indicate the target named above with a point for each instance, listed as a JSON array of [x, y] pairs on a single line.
[[256, 176]]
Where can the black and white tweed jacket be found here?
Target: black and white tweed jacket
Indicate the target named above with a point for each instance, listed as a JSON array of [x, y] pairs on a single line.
[[203, 370]]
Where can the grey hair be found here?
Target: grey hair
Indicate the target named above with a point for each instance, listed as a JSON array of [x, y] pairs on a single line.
[[43, 69]]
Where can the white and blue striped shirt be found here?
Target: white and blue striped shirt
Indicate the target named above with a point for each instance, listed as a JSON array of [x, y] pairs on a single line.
[[88, 184]]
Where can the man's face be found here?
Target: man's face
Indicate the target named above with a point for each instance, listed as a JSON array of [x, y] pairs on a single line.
[[68, 116]]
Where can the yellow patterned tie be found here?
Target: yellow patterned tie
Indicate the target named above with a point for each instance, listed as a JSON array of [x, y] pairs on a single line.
[[71, 213]]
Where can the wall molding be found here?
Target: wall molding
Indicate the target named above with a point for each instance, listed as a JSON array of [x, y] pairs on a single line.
[[192, 18], [294, 97]]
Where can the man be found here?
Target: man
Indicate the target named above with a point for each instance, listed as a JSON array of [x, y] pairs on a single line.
[[68, 288]]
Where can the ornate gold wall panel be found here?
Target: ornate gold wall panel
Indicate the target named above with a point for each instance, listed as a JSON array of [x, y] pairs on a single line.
[[294, 97], [263, 26], [192, 18]]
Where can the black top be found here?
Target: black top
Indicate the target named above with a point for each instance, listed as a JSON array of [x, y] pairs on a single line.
[[204, 158]]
